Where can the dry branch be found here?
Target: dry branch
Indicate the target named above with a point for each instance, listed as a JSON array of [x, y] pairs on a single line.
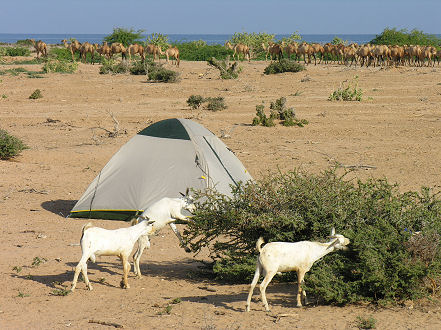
[[110, 324]]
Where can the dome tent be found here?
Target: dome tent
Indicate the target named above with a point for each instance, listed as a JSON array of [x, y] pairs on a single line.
[[162, 160]]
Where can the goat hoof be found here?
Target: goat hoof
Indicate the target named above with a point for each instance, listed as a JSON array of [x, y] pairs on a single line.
[[124, 286]]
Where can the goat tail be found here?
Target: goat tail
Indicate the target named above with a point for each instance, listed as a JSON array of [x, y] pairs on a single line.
[[259, 243], [85, 227]]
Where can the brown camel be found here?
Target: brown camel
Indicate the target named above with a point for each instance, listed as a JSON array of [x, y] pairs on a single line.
[[117, 48], [273, 50], [239, 49], [291, 49], [87, 48], [173, 52], [136, 49], [154, 50], [73, 47], [103, 50], [40, 47]]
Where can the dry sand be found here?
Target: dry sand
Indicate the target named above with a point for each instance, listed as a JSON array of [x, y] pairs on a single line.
[[396, 130]]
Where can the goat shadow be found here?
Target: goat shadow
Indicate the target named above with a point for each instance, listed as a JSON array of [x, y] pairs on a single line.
[[60, 207], [278, 295]]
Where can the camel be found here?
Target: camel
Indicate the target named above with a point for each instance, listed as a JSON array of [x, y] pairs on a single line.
[[328, 49], [136, 49], [40, 47], [174, 53], [239, 49], [72, 47], [317, 48], [117, 48], [87, 48], [154, 50], [350, 53], [438, 55], [397, 54], [291, 49], [273, 50], [364, 54], [306, 50], [104, 50]]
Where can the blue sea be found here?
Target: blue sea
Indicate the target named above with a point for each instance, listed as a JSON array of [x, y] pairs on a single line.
[[210, 39]]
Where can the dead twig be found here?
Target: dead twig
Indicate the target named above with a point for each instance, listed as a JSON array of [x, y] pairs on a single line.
[[110, 324]]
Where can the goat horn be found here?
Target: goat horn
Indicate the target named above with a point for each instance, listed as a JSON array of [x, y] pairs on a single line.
[[182, 194], [333, 243]]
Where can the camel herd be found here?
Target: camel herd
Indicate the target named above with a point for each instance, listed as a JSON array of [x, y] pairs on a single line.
[[376, 55], [118, 48]]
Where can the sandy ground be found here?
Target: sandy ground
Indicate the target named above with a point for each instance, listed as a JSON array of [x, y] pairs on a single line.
[[395, 132]]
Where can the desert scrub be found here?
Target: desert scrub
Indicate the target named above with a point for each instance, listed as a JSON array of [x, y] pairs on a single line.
[[200, 51], [347, 92], [212, 103], [215, 103], [14, 51], [195, 101], [59, 66], [10, 146], [111, 66], [36, 95], [283, 65], [363, 322], [394, 253], [279, 111], [157, 73], [226, 70]]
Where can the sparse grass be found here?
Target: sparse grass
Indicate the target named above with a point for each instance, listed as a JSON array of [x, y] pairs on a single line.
[[60, 292], [176, 301], [17, 71], [4, 96], [348, 92], [17, 269], [297, 93], [22, 294], [36, 95], [363, 322], [37, 261]]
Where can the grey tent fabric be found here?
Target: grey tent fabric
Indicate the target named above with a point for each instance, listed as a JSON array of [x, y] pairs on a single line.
[[160, 161]]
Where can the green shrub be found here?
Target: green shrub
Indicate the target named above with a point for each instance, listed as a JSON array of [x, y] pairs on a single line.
[[283, 65], [111, 66], [278, 110], [36, 95], [15, 51], [226, 70], [394, 236], [365, 322], [140, 68], [196, 51], [10, 146], [156, 72], [60, 66], [195, 101], [24, 43], [215, 103], [349, 92], [63, 54]]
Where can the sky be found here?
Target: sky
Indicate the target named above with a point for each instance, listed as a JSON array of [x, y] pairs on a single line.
[[219, 17]]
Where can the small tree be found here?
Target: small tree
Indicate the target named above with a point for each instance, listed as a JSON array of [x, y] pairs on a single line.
[[125, 36], [227, 70]]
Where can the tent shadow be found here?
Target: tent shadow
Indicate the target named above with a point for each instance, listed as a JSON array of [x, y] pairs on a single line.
[[60, 207]]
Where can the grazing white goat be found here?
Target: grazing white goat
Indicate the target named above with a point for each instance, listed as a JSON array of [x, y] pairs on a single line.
[[278, 257], [97, 241], [164, 212]]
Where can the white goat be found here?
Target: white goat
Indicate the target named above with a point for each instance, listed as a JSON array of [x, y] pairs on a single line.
[[97, 241], [278, 257], [164, 212]]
